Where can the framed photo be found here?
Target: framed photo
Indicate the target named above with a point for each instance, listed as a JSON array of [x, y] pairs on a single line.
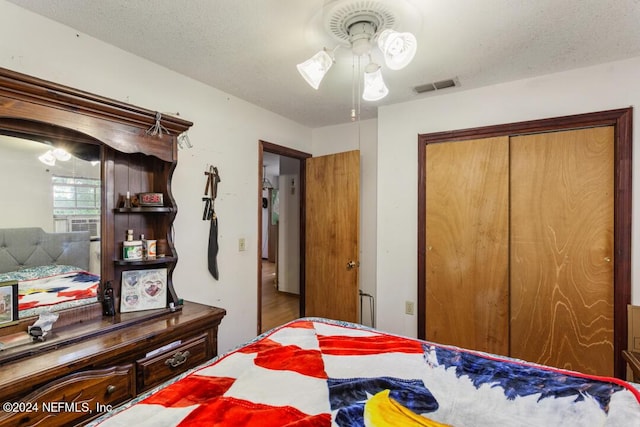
[[143, 290], [8, 302]]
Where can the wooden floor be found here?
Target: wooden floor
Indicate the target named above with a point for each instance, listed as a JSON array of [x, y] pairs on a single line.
[[277, 307]]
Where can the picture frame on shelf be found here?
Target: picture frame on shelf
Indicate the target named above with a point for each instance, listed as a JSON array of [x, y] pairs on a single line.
[[8, 302], [143, 290]]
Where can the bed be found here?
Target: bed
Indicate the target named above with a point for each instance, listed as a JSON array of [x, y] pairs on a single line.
[[320, 372], [51, 269]]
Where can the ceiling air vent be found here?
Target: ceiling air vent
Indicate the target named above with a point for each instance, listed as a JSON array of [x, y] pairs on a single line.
[[442, 84]]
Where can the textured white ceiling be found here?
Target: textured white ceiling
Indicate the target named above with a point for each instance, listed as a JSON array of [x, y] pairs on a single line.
[[249, 48]]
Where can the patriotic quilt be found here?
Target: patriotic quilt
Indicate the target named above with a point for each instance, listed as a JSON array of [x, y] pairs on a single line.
[[41, 287], [318, 372]]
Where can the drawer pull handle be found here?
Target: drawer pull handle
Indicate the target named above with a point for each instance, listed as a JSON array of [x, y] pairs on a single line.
[[111, 389], [177, 359]]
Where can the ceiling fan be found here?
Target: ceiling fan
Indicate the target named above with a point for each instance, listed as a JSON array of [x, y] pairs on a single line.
[[362, 26]]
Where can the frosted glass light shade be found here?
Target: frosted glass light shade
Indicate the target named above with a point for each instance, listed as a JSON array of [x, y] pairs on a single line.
[[61, 154], [314, 69], [398, 48], [48, 158], [374, 87]]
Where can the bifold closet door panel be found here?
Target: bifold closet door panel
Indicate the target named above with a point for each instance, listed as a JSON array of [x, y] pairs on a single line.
[[561, 269], [467, 243]]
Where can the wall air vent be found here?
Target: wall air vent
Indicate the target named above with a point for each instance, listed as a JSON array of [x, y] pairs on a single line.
[[442, 84]]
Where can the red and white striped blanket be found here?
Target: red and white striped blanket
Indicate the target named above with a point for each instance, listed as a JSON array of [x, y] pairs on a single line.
[[317, 372]]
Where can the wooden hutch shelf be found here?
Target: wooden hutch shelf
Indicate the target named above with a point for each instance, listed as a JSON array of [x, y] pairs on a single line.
[[101, 359], [145, 209], [155, 261]]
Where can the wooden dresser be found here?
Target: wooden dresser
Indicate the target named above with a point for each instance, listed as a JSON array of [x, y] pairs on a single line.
[[85, 369], [93, 359]]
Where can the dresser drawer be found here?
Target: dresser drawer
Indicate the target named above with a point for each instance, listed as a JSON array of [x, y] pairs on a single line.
[[158, 368], [73, 398]]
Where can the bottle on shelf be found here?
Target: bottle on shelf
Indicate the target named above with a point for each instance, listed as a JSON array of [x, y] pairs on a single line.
[[144, 246], [151, 249], [131, 249], [148, 248], [108, 307]]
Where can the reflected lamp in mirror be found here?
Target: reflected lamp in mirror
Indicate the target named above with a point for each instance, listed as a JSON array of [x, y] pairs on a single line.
[[49, 158], [61, 154]]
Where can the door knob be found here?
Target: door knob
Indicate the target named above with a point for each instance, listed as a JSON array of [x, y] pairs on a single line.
[[352, 264]]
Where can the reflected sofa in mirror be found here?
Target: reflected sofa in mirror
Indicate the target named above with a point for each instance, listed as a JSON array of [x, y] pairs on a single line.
[[50, 222]]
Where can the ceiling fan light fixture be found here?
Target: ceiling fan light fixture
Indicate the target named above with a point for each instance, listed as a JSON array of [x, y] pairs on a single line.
[[363, 26], [398, 48], [360, 35], [374, 87], [315, 68]]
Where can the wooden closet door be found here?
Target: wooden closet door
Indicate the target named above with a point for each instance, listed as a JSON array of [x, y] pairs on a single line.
[[467, 188], [562, 249]]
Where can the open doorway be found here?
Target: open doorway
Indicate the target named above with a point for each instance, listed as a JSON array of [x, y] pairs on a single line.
[[281, 235]]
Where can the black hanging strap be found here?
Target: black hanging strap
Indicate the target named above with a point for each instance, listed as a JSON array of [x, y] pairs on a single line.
[[209, 214]]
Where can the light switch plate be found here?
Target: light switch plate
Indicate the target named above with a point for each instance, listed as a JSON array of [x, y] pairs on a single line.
[[408, 307]]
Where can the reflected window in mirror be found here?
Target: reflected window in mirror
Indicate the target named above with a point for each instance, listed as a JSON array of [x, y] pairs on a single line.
[[50, 222], [76, 204]]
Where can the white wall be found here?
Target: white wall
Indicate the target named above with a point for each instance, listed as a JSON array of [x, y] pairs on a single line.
[[289, 233], [225, 133], [265, 226], [362, 136], [604, 87], [288, 184], [25, 193]]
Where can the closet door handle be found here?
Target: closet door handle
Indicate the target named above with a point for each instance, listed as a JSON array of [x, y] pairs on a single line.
[[352, 265]]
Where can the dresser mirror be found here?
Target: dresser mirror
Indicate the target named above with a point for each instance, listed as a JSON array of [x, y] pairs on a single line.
[[50, 220], [113, 151]]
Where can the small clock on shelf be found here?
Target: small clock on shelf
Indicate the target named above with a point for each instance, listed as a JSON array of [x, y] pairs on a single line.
[[150, 199]]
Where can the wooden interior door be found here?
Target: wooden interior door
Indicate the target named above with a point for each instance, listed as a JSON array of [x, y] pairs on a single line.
[[332, 224], [467, 243], [562, 290]]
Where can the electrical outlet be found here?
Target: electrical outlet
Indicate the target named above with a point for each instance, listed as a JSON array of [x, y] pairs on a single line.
[[408, 307], [242, 244]]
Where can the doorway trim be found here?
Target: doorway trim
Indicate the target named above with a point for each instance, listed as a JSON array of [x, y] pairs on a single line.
[[264, 146], [621, 119]]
